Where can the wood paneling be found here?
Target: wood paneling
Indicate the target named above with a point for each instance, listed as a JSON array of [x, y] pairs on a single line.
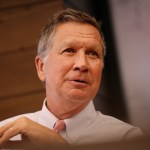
[[20, 28], [19, 105], [18, 74], [20, 24]]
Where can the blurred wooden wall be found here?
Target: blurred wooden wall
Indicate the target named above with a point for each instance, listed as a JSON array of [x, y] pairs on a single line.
[[20, 23]]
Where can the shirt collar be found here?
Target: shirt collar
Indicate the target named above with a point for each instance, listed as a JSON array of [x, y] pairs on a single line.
[[76, 125], [46, 117]]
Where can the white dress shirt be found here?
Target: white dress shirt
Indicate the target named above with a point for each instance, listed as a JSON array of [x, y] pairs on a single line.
[[88, 126]]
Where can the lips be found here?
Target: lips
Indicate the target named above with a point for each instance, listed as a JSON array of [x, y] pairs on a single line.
[[79, 80]]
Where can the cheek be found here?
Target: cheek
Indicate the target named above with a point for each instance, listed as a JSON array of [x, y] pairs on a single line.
[[97, 73], [56, 70]]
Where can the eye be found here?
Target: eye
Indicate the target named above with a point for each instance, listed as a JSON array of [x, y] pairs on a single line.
[[93, 53], [69, 50]]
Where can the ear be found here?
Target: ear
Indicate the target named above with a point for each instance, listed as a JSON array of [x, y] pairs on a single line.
[[40, 68]]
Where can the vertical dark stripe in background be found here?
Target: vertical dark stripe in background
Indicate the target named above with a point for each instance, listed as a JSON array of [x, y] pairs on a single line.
[[110, 99]]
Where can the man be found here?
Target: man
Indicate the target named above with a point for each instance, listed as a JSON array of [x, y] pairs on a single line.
[[70, 61]]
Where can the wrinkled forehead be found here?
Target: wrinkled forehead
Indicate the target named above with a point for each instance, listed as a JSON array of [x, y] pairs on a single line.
[[80, 43], [77, 34], [78, 29]]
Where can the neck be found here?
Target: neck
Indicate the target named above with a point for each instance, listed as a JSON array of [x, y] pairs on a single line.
[[62, 112]]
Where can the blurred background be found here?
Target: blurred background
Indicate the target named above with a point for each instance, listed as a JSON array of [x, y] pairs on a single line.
[[125, 88]]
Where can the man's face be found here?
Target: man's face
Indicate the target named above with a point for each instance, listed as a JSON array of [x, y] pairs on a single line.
[[73, 67]]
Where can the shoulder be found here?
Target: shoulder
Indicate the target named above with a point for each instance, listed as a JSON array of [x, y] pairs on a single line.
[[105, 128], [114, 126], [33, 116]]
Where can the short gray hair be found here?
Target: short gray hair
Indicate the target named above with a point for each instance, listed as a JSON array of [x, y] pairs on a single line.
[[60, 17]]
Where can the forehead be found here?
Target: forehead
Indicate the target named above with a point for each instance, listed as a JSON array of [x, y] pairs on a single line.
[[77, 33]]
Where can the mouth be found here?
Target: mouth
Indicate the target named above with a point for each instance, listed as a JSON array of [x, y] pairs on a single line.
[[80, 81]]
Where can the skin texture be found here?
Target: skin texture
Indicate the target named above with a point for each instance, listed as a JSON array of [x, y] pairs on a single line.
[[72, 69], [72, 72]]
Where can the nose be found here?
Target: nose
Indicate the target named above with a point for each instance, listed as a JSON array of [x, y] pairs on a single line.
[[81, 63]]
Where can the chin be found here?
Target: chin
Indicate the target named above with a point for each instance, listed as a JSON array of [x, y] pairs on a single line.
[[77, 95], [79, 98]]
